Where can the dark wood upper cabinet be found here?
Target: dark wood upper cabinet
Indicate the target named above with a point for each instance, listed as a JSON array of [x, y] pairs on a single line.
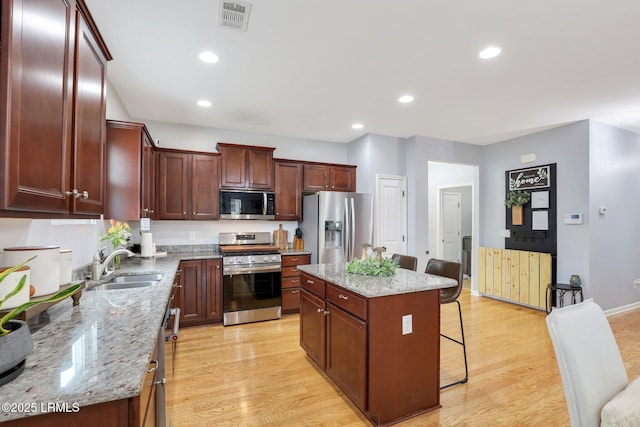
[[324, 177], [288, 182], [245, 167], [187, 185], [53, 128], [130, 171]]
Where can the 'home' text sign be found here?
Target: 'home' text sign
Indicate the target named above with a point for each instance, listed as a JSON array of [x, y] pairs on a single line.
[[532, 178]]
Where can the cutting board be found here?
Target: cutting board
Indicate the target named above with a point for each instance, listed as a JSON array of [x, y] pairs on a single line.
[[281, 238]]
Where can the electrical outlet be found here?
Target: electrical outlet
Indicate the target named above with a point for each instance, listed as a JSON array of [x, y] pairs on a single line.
[[636, 283], [192, 235]]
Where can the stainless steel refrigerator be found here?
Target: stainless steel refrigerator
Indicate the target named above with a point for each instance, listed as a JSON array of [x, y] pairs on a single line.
[[336, 224]]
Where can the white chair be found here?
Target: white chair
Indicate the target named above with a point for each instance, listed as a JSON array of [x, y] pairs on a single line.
[[593, 374]]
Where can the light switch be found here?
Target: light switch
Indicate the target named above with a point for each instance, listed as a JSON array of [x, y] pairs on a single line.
[[407, 324]]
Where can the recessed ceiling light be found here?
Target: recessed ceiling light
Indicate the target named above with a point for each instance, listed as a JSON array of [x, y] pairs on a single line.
[[405, 99], [204, 103], [490, 52], [357, 125], [208, 57]]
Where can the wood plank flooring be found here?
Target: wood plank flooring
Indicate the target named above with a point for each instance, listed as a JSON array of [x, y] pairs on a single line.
[[257, 374]]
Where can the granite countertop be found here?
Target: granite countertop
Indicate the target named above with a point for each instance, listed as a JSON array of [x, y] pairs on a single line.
[[99, 350], [403, 281]]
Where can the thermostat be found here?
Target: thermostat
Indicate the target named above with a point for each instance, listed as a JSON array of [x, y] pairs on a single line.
[[573, 218]]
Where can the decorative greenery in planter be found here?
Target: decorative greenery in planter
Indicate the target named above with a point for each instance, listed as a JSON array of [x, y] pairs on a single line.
[[371, 267], [15, 338], [517, 198]]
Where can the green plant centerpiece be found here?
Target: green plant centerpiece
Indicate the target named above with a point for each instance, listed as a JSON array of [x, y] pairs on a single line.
[[15, 337], [517, 198], [371, 267]]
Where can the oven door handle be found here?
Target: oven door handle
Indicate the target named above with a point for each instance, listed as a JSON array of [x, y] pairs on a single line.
[[245, 270]]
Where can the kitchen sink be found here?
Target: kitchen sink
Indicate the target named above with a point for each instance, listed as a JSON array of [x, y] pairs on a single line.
[[153, 277], [129, 282]]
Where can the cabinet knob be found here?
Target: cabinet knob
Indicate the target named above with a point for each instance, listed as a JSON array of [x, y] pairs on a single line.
[[295, 292], [344, 297], [326, 312], [320, 310], [326, 186], [333, 186], [154, 367], [184, 213], [310, 282], [179, 272]]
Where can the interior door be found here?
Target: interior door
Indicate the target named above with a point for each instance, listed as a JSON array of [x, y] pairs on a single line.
[[450, 219], [391, 213]]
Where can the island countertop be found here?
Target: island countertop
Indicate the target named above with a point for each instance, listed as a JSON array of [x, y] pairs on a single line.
[[97, 351], [403, 281]]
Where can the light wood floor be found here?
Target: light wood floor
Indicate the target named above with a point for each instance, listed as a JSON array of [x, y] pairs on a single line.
[[257, 374]]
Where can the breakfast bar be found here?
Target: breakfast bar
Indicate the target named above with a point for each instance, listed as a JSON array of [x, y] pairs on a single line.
[[377, 338]]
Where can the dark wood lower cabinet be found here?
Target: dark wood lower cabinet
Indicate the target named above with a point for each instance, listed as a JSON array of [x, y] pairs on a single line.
[[389, 371], [199, 292], [347, 354], [312, 327]]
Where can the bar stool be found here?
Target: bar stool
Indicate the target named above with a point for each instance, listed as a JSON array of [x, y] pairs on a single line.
[[405, 261], [452, 270]]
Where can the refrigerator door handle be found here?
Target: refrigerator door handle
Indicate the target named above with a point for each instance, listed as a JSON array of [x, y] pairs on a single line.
[[346, 227], [352, 233]]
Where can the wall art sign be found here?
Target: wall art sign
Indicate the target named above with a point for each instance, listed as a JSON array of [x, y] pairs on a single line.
[[532, 178]]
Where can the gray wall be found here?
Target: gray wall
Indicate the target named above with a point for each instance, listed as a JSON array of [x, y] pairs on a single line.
[[614, 252], [419, 151], [376, 154], [568, 147]]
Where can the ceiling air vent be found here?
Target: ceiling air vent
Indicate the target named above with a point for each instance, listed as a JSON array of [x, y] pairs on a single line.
[[234, 14]]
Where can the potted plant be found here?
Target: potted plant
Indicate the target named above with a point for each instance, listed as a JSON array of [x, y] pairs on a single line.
[[515, 200], [15, 337]]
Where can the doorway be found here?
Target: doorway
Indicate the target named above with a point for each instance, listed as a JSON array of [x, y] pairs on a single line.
[[453, 214]]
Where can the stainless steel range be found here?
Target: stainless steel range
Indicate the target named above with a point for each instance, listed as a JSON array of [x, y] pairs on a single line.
[[251, 271]]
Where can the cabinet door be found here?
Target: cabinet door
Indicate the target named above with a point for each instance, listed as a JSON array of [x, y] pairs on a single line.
[[214, 289], [36, 85], [191, 293], [204, 188], [148, 394], [347, 354], [343, 178], [173, 185], [148, 178], [290, 300], [123, 170], [260, 169], [316, 177], [89, 153], [312, 327], [288, 180], [233, 168]]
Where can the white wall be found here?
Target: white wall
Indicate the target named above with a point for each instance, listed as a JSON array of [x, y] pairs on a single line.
[[200, 138], [81, 236], [614, 252]]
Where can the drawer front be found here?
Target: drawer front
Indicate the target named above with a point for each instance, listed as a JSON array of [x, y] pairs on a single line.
[[290, 271], [348, 301], [290, 282], [293, 260], [291, 299], [312, 284]]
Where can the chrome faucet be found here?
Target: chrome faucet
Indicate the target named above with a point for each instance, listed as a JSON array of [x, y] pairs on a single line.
[[99, 267]]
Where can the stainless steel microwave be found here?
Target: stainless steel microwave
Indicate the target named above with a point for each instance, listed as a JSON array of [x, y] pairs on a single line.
[[247, 205]]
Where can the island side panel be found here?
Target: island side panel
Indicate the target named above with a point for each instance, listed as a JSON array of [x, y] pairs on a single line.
[[404, 369]]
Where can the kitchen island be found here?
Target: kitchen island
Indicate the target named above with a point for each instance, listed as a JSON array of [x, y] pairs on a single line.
[[377, 338], [91, 360]]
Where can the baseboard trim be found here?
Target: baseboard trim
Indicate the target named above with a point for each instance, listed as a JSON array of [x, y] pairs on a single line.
[[622, 309]]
